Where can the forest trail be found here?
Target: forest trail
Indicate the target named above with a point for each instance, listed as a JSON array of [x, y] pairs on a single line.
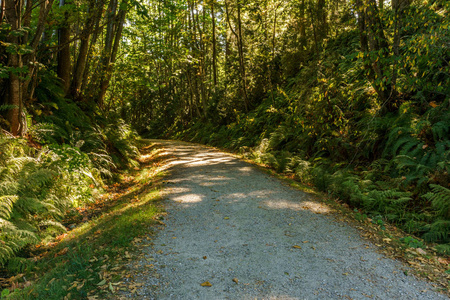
[[249, 236]]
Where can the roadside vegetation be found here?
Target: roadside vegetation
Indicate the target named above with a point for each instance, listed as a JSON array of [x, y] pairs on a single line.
[[86, 257]]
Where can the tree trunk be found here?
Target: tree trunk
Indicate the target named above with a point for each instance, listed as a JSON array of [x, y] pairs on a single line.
[[77, 80], [112, 56], [214, 51], [13, 9], [64, 62], [241, 57], [373, 40], [106, 54], [2, 11]]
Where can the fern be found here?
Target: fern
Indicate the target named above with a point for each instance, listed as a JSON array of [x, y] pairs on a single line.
[[440, 200], [439, 230], [36, 188], [6, 206], [443, 248]]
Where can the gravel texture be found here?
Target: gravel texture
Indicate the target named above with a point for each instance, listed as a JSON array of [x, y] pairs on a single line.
[[252, 237]]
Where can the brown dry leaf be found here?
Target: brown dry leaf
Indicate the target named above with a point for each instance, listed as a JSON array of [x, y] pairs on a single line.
[[74, 285], [235, 280], [296, 247], [206, 283], [205, 257], [79, 287], [421, 251], [305, 242], [442, 260], [433, 104], [51, 281], [63, 251]]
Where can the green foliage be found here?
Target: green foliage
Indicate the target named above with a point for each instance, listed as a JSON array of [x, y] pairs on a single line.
[[108, 142], [412, 242], [439, 229], [36, 188]]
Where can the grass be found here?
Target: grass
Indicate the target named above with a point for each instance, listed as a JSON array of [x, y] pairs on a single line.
[[89, 261]]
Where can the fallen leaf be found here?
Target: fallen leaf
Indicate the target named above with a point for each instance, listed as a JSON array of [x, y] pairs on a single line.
[[421, 251], [235, 280], [305, 242], [296, 247], [101, 282], [204, 257], [226, 218], [74, 285], [206, 283], [81, 285], [442, 261]]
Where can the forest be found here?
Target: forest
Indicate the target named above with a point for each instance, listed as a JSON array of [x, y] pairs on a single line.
[[350, 97]]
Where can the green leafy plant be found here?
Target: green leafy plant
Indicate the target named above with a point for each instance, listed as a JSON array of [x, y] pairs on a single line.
[[36, 188], [412, 242]]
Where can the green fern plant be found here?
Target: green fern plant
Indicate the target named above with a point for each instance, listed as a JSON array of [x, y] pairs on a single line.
[[36, 188], [421, 148], [440, 200], [439, 230]]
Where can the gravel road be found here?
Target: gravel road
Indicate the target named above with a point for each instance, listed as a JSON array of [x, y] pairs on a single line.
[[252, 237]]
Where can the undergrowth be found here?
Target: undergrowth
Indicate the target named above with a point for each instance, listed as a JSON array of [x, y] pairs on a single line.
[[90, 260], [61, 164]]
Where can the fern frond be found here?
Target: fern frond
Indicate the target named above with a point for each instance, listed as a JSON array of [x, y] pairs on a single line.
[[438, 231], [400, 144], [6, 205], [440, 130], [54, 224], [440, 199]]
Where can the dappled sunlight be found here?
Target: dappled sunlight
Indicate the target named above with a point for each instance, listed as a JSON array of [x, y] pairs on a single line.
[[210, 180], [315, 207], [188, 198], [235, 197], [245, 170]]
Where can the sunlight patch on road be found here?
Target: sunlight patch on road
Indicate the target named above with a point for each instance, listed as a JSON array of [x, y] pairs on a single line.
[[315, 207], [188, 198]]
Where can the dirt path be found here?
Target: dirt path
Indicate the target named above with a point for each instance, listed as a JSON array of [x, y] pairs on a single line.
[[250, 236]]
